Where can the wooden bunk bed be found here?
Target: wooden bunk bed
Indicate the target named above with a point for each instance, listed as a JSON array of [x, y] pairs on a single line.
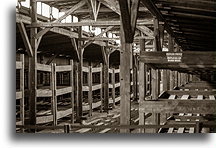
[[20, 92], [192, 101], [92, 85], [53, 92]]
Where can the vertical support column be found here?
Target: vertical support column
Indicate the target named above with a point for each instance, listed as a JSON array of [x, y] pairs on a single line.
[[142, 86], [72, 90], [164, 80], [113, 87], [22, 89], [106, 81], [54, 97], [32, 68], [76, 89], [135, 77], [90, 90], [101, 90], [125, 82], [80, 77], [155, 73]]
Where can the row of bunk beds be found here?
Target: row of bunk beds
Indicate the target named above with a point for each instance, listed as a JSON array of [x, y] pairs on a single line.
[[55, 91], [187, 104]]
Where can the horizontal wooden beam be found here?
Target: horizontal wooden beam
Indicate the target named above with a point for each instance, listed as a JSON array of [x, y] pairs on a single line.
[[178, 106], [190, 92], [85, 23]]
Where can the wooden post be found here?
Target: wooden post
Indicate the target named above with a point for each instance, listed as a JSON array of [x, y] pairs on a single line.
[[90, 90], [106, 81], [22, 89], [72, 90], [101, 90], [80, 77], [155, 73], [32, 68], [142, 86], [54, 97], [76, 89], [125, 82], [113, 87], [136, 77]]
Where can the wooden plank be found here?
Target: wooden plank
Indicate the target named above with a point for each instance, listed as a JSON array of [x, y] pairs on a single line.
[[117, 70], [85, 69], [96, 69], [19, 95], [63, 68], [32, 75], [113, 87], [172, 97], [18, 64], [179, 106], [22, 89], [211, 97], [190, 92], [43, 67], [44, 93], [90, 99], [85, 88], [142, 86], [181, 130], [63, 113], [80, 77], [25, 39], [54, 96], [141, 24], [101, 89], [72, 91], [62, 91], [96, 87]]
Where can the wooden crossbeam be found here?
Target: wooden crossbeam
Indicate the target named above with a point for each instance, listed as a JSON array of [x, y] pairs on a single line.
[[25, 39], [99, 35], [74, 8], [114, 5], [179, 106], [92, 23]]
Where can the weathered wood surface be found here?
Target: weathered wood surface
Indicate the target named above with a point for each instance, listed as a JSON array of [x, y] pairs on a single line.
[[179, 106], [187, 57]]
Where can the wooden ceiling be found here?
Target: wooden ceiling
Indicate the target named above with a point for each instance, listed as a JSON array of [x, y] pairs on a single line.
[[193, 22]]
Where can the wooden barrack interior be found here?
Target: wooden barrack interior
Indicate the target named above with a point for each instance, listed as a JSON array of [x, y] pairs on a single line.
[[115, 66]]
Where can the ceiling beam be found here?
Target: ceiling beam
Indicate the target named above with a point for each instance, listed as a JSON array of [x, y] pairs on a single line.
[[75, 7], [154, 10], [88, 23]]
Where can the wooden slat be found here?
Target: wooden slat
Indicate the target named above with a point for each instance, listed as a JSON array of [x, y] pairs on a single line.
[[179, 106], [63, 68], [43, 67], [96, 69], [96, 87], [117, 70], [190, 92], [172, 97], [211, 97], [19, 95], [18, 64], [85, 69], [63, 91], [85, 88], [44, 93], [63, 113]]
